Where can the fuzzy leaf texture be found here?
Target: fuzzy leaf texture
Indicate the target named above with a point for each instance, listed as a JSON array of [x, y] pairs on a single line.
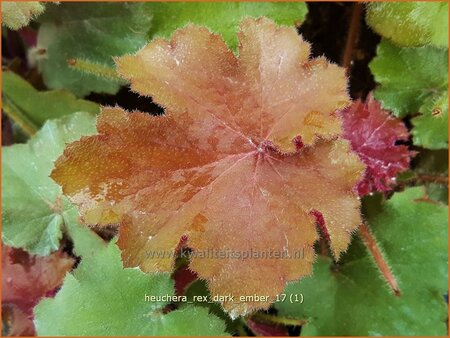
[[414, 23], [412, 235], [30, 108], [90, 33], [87, 306], [17, 14], [415, 80], [248, 149], [220, 17], [34, 209], [373, 134]]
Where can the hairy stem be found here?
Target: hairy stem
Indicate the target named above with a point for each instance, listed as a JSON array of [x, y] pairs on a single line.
[[424, 178], [278, 320], [432, 178], [94, 69], [372, 246]]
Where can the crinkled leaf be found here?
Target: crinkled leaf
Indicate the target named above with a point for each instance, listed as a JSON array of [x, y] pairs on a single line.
[[30, 108], [27, 278], [90, 32], [415, 80], [100, 298], [17, 14], [33, 208], [409, 77], [220, 17], [373, 134], [413, 237], [414, 23], [248, 149]]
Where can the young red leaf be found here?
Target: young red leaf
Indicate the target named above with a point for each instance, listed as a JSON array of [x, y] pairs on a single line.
[[183, 277], [373, 133], [246, 157], [26, 278]]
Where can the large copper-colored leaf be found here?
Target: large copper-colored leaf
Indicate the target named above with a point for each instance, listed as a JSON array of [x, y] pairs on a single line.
[[245, 159]]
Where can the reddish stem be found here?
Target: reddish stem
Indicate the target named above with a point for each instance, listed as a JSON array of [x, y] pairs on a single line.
[[323, 247], [352, 35], [432, 178], [372, 246]]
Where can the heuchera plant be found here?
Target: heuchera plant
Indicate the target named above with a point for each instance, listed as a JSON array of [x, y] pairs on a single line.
[[249, 148]]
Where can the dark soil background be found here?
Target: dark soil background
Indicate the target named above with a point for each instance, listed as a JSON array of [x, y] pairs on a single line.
[[327, 28]]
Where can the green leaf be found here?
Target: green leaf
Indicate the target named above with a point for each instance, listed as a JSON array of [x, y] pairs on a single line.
[[102, 298], [16, 15], [410, 23], [409, 77], [415, 80], [86, 243], [220, 17], [30, 108], [34, 209], [200, 288], [92, 33], [412, 234], [431, 128]]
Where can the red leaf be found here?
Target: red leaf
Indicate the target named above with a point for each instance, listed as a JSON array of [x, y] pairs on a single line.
[[183, 277], [373, 133], [26, 278]]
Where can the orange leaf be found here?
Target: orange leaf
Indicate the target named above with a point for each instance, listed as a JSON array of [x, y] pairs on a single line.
[[245, 159]]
